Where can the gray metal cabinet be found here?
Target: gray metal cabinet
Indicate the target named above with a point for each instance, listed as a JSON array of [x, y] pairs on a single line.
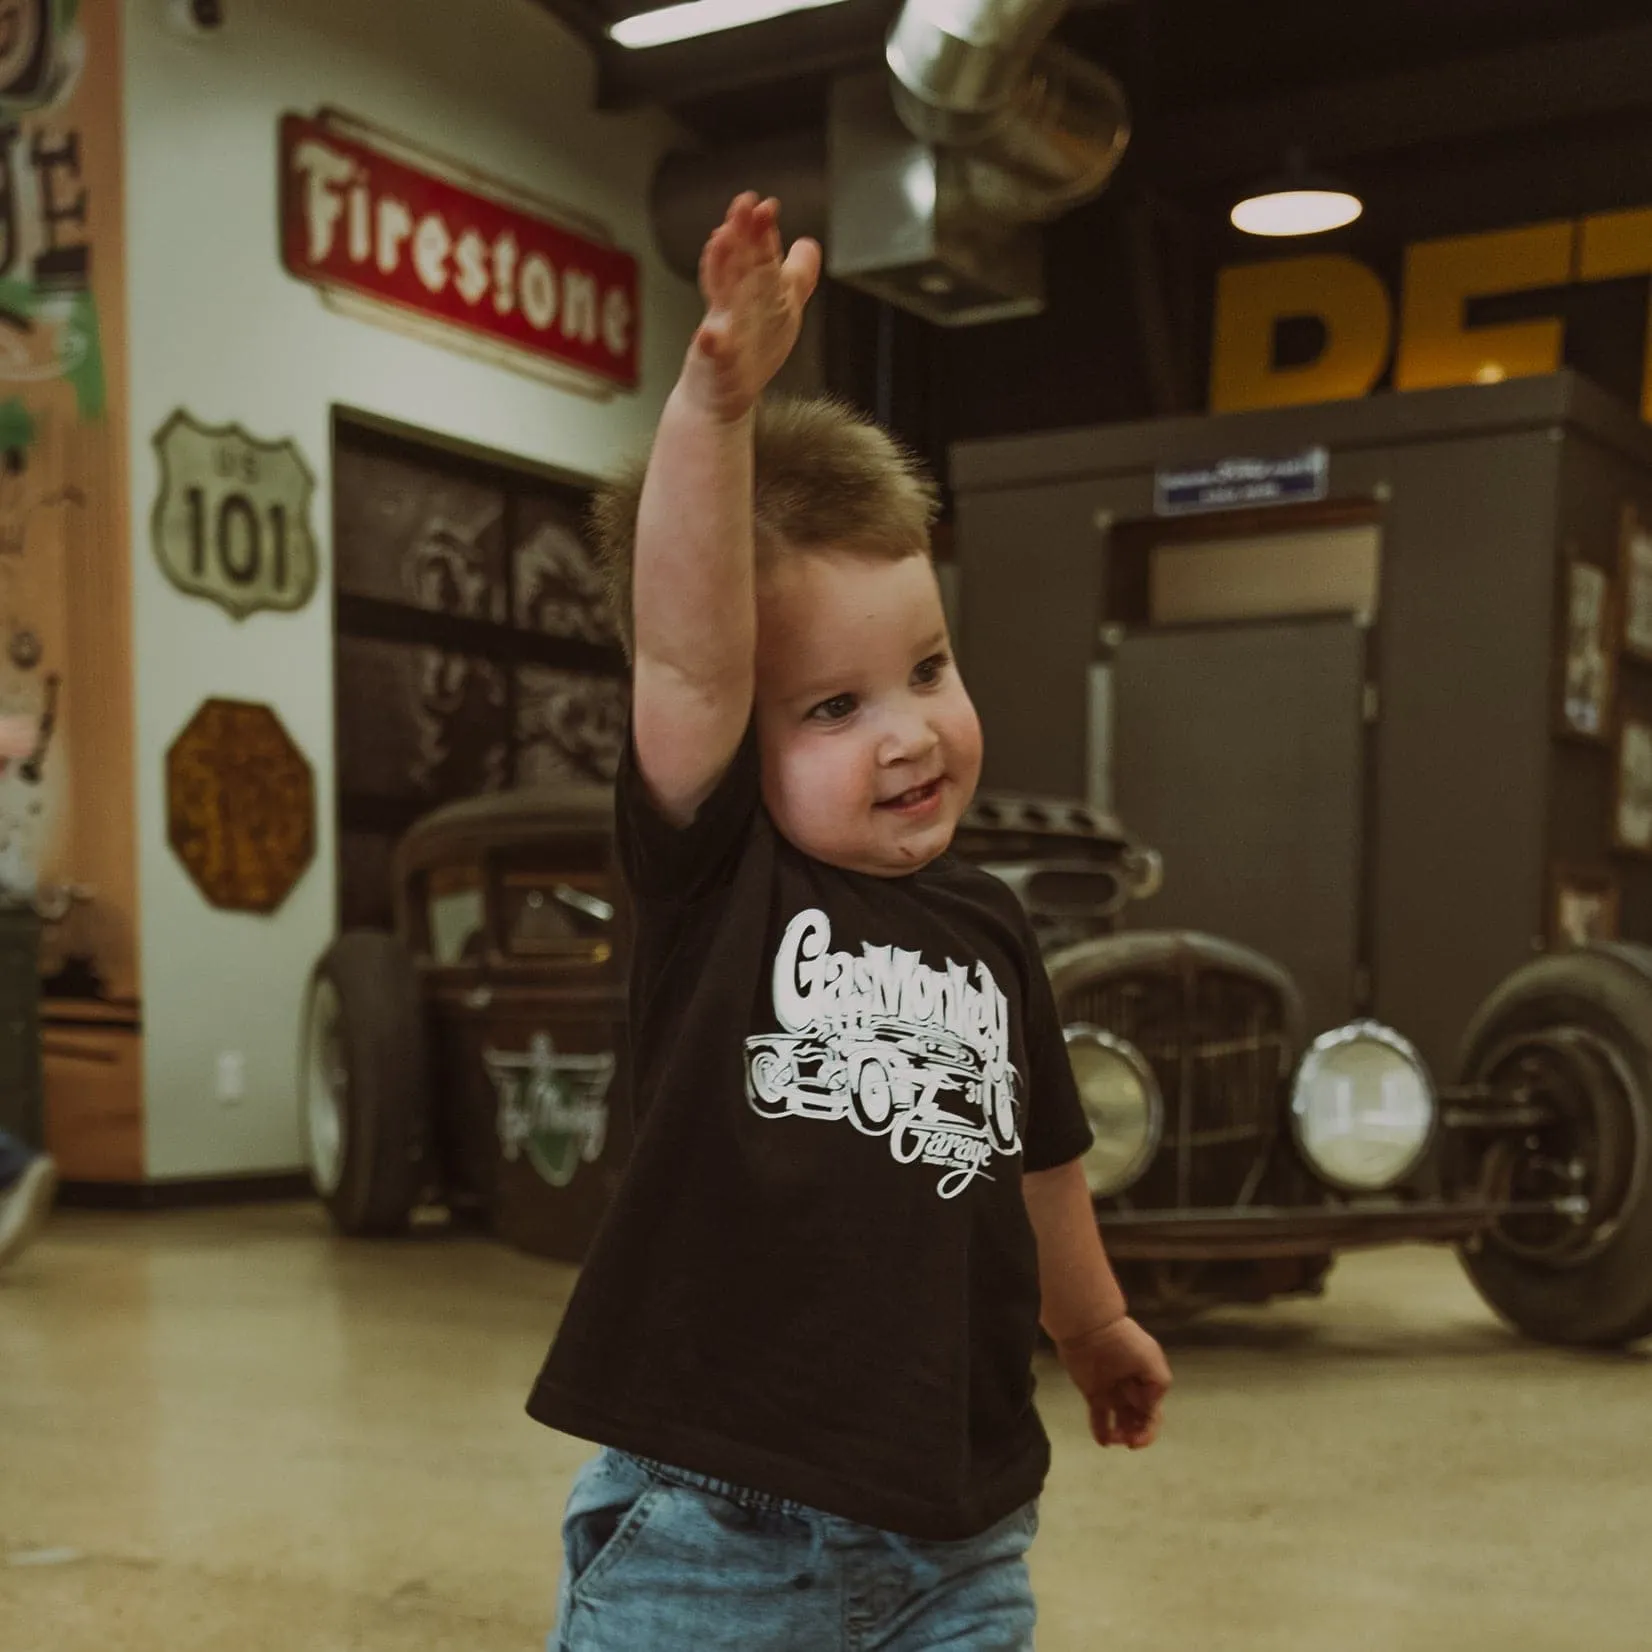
[[1469, 798]]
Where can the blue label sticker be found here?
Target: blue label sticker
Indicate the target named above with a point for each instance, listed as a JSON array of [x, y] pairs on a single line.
[[1233, 483]]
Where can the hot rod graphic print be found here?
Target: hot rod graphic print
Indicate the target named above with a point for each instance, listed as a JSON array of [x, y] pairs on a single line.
[[893, 1047]]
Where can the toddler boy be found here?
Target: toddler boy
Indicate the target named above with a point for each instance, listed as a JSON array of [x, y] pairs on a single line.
[[804, 1333]]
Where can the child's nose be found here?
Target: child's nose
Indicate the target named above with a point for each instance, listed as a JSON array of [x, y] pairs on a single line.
[[909, 738]]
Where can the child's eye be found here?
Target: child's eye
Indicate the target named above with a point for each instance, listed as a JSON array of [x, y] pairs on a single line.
[[833, 710], [929, 672]]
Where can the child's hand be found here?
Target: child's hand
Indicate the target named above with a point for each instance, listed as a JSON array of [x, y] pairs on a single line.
[[1124, 1375], [754, 307]]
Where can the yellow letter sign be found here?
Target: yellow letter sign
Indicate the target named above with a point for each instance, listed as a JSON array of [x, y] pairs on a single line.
[[1442, 276], [1436, 346], [1253, 299], [1616, 244]]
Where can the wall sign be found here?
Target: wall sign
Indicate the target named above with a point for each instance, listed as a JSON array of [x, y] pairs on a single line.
[[65, 664], [409, 239], [1584, 906], [240, 805], [1432, 344], [1635, 583], [1588, 678], [1231, 483], [1632, 787], [232, 521]]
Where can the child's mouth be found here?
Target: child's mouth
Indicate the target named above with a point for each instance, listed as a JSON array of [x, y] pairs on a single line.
[[919, 800]]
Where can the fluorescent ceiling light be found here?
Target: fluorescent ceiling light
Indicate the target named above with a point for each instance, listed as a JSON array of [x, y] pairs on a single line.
[[1296, 211], [669, 23]]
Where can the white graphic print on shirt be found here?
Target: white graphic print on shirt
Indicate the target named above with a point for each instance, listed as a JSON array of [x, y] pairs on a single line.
[[894, 1047]]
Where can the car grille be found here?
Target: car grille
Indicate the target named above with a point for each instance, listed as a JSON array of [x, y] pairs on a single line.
[[1219, 1044]]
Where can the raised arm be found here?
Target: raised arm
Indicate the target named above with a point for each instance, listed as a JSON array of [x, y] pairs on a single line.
[[693, 600]]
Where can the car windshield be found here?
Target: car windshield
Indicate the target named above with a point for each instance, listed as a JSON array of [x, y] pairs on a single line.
[[563, 914], [456, 913]]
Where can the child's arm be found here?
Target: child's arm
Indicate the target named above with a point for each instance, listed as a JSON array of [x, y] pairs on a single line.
[[1116, 1365], [693, 603]]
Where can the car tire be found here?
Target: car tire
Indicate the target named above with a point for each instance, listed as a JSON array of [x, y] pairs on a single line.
[[1592, 1009], [365, 1098], [872, 1096], [766, 1074]]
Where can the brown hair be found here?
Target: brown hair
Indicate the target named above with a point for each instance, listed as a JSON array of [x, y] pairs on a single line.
[[824, 475]]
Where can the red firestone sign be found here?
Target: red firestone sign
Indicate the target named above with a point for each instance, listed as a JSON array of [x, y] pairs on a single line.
[[426, 246]]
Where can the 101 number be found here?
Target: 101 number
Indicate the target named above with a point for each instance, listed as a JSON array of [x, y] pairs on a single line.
[[237, 538]]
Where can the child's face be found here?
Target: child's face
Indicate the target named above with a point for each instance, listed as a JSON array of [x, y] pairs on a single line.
[[870, 747]]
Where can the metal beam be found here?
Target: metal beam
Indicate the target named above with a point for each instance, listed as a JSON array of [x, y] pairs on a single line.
[[1529, 86], [581, 19]]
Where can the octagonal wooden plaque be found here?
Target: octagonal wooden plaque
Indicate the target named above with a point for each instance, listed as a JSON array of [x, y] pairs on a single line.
[[240, 805]]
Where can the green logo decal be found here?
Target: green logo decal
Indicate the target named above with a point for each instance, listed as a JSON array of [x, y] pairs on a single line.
[[553, 1107]]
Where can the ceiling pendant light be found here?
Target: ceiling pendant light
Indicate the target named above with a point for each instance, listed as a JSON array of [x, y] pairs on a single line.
[[1296, 203]]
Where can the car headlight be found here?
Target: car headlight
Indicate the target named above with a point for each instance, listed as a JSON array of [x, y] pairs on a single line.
[[1363, 1107], [1122, 1102]]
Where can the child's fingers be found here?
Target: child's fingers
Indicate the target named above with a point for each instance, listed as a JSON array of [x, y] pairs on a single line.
[[744, 227], [1138, 1436], [714, 263], [735, 254], [1128, 1414], [766, 227], [801, 271], [724, 243], [727, 262], [1146, 1393], [1139, 1424], [1103, 1429]]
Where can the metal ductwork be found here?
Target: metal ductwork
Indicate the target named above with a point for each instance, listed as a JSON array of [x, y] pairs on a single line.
[[1003, 132], [970, 75], [938, 172], [693, 187]]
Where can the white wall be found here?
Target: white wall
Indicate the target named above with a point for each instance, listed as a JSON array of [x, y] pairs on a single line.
[[216, 326]]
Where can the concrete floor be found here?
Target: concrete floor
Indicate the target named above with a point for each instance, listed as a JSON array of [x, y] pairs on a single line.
[[233, 1433]]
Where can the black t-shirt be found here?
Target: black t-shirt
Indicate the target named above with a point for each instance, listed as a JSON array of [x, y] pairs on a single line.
[[818, 1278]]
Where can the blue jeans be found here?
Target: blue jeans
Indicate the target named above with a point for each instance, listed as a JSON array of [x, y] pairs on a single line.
[[656, 1559], [15, 1158]]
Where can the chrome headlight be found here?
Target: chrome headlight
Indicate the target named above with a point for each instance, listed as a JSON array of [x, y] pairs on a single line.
[[1363, 1107], [1122, 1102]]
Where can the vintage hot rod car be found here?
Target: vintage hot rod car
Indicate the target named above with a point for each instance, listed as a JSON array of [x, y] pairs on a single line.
[[877, 1073], [464, 1060]]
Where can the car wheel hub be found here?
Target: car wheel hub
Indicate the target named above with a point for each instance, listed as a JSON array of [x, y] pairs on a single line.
[[1582, 1162]]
